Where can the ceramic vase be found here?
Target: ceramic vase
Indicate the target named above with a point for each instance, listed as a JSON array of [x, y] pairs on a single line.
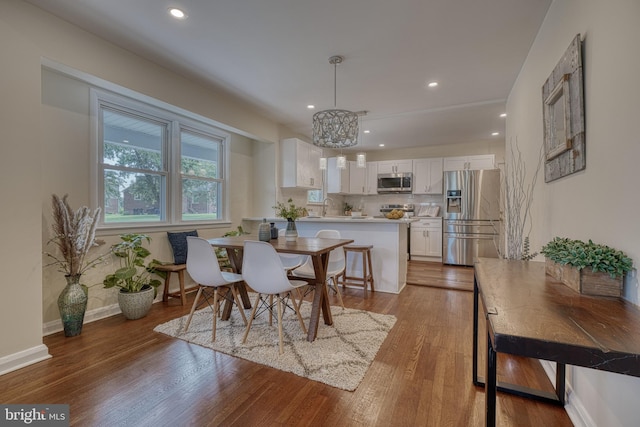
[[291, 233], [72, 304]]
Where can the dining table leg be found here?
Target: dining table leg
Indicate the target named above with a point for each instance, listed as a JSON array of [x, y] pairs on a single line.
[[320, 297], [235, 259]]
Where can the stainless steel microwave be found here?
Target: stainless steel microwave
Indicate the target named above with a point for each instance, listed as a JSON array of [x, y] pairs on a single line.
[[395, 183]]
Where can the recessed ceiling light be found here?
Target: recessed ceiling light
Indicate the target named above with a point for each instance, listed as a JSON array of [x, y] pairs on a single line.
[[432, 84], [311, 107], [495, 134], [366, 131], [380, 145], [177, 13], [503, 115]]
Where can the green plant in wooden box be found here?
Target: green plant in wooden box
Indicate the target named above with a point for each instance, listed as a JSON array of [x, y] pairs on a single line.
[[567, 260]]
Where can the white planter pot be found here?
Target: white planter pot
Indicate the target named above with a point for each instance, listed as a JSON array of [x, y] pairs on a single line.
[[135, 305]]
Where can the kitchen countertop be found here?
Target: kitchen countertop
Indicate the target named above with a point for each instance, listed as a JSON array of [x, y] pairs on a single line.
[[345, 219]]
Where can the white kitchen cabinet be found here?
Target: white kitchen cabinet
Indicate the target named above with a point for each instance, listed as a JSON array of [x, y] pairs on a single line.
[[426, 238], [357, 179], [395, 166], [300, 164], [427, 176], [372, 178], [480, 161], [337, 179]]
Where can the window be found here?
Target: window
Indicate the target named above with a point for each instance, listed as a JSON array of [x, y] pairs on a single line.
[[314, 196], [156, 167]]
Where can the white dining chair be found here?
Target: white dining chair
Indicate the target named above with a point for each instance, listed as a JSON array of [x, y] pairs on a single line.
[[290, 261], [203, 267], [335, 267], [263, 271]]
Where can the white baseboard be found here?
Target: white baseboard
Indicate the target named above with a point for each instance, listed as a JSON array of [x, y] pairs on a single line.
[[90, 316], [578, 414], [23, 358]]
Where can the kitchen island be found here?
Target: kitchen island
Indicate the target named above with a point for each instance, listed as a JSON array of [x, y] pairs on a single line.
[[388, 237]]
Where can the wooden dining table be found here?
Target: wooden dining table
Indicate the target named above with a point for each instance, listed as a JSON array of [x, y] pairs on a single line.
[[317, 248]]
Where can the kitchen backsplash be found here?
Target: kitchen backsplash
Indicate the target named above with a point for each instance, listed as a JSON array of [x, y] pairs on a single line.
[[370, 204]]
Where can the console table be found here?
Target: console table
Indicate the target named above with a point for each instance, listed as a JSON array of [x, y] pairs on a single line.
[[530, 314]]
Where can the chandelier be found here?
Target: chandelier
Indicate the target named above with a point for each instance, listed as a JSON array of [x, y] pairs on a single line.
[[335, 128]]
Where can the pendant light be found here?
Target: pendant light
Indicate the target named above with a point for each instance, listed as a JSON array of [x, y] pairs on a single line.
[[335, 128]]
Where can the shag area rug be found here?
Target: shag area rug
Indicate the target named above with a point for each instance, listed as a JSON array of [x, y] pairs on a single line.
[[339, 357]]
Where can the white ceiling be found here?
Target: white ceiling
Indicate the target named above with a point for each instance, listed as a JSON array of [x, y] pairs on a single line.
[[275, 55]]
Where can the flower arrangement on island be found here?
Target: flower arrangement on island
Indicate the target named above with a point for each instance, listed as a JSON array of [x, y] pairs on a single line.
[[289, 211]]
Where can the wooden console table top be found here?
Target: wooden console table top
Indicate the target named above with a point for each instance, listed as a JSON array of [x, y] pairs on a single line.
[[531, 314]]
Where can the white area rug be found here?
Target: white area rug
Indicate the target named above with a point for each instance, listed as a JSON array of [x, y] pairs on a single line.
[[339, 357]]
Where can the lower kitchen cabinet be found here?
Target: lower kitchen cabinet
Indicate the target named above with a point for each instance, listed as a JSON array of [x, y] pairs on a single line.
[[426, 239]]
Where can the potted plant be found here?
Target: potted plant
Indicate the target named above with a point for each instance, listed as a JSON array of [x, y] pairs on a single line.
[[137, 288], [74, 235], [291, 212], [567, 259], [221, 253]]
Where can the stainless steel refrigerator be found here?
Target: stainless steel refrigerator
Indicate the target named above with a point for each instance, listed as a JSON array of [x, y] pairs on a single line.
[[472, 220]]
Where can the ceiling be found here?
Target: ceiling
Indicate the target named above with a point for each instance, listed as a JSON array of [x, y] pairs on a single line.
[[275, 54]]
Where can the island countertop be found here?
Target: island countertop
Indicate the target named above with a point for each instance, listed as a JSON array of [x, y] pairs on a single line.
[[341, 219], [388, 238]]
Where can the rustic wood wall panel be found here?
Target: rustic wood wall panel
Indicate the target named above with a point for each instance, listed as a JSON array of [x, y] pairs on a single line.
[[563, 116]]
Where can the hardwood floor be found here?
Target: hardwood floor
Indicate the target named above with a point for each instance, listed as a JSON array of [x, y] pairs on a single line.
[[433, 274], [120, 372]]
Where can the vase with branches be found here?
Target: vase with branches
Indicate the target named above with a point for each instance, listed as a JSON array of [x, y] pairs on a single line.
[[518, 197], [73, 235]]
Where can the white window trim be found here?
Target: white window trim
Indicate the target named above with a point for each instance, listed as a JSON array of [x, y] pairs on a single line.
[[150, 106]]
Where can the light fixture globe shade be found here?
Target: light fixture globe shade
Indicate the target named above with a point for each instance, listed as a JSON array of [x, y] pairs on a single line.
[[335, 129]]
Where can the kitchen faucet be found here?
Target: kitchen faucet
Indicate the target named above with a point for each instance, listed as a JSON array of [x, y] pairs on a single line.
[[324, 205]]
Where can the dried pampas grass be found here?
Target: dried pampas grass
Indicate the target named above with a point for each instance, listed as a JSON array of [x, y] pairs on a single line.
[[74, 235]]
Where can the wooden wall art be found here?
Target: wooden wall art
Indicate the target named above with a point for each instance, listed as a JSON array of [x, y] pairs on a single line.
[[563, 115]]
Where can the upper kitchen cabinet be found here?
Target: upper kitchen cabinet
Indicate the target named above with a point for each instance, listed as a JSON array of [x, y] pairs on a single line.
[[427, 176], [337, 179], [357, 179], [300, 164], [481, 161], [371, 184], [395, 166]]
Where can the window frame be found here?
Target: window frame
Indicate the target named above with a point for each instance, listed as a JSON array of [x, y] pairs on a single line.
[[176, 120]]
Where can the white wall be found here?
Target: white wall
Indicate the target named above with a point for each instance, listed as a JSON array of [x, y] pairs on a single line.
[[45, 143], [599, 203], [21, 215]]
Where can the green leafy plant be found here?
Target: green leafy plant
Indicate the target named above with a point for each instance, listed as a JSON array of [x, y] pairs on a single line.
[[221, 254], [580, 255], [133, 274], [347, 208], [289, 211]]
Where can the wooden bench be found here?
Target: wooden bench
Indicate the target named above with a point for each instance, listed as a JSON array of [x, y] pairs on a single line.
[[168, 269]]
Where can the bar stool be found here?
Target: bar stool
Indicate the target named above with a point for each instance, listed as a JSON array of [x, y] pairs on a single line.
[[367, 271]]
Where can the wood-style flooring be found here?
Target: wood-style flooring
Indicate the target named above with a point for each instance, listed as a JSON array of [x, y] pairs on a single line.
[[433, 274], [119, 372]]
